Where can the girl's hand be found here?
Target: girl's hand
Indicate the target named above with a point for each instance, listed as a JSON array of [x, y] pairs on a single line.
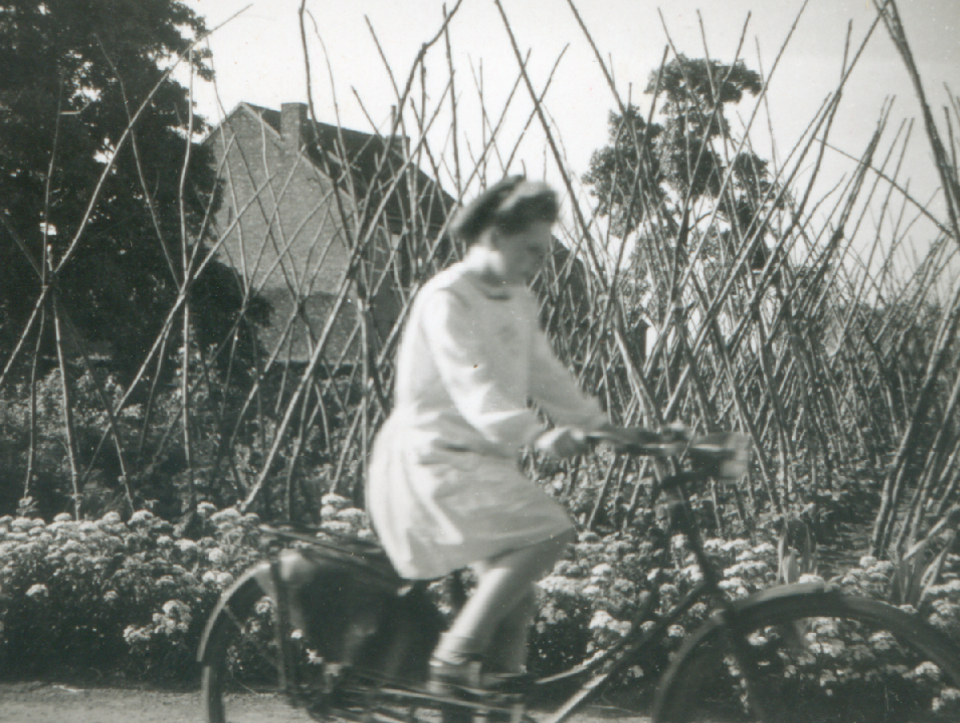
[[562, 442], [621, 436], [672, 440], [675, 437]]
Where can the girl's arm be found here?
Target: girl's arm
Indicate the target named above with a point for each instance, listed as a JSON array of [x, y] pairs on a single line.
[[556, 391]]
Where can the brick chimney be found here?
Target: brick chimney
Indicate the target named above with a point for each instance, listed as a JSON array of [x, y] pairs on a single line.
[[293, 125]]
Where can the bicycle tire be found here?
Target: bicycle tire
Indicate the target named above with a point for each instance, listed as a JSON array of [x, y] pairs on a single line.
[[817, 656], [231, 667], [358, 644]]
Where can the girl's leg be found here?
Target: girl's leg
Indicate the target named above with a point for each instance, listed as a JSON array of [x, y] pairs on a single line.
[[503, 583], [507, 651]]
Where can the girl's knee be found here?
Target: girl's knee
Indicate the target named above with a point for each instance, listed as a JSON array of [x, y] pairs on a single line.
[[548, 552], [557, 546]]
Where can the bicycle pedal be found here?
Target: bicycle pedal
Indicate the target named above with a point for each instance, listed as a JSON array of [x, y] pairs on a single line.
[[477, 699]]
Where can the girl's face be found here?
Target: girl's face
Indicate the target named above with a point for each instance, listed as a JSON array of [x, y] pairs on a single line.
[[519, 256]]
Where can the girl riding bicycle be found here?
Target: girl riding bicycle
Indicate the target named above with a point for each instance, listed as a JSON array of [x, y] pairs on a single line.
[[445, 491]]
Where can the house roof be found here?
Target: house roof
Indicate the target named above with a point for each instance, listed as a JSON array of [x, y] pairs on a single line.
[[375, 160]]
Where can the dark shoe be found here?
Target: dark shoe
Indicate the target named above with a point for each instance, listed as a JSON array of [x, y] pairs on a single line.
[[454, 679], [507, 683]]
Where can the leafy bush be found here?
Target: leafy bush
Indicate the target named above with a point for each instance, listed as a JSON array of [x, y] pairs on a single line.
[[19, 430], [95, 595], [590, 600], [81, 596]]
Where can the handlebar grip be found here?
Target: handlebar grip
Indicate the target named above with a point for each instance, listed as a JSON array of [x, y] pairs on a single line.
[[726, 453]]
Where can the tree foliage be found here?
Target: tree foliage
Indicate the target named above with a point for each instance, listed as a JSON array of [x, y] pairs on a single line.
[[73, 74], [648, 168], [683, 176]]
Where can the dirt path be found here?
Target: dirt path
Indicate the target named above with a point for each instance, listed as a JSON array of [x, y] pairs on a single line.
[[52, 703], [57, 703]]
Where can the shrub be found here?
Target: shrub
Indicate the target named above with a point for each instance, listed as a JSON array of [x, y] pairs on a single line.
[[590, 600], [134, 596], [82, 596]]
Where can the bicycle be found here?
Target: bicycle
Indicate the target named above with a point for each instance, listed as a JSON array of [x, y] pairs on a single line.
[[330, 627]]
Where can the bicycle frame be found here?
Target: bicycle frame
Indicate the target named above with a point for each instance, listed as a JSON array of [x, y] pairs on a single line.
[[632, 646]]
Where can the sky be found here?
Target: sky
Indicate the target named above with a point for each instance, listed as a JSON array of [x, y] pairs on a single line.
[[258, 57]]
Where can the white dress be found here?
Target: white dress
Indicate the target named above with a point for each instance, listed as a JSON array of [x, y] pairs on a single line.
[[444, 487]]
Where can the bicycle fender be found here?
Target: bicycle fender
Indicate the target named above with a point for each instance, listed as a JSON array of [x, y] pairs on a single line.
[[795, 590], [246, 590], [798, 593]]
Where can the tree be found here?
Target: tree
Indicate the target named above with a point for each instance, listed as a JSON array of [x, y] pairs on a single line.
[[659, 171], [662, 179], [72, 75], [694, 93], [104, 201], [625, 175]]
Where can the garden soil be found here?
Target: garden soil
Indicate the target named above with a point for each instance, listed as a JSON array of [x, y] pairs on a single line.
[[61, 703]]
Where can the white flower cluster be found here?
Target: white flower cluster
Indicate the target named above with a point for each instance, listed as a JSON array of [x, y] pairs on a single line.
[[339, 517], [113, 570], [38, 590], [173, 620], [605, 621]]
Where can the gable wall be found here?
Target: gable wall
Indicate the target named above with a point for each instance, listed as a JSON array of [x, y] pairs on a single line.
[[288, 243], [291, 234]]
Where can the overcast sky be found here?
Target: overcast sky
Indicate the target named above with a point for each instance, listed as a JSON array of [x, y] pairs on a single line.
[[258, 58]]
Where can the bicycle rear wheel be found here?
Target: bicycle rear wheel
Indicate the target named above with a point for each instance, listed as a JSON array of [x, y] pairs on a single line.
[[817, 657], [240, 659], [356, 648]]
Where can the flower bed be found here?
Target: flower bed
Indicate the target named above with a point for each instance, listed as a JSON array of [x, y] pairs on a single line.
[[132, 597]]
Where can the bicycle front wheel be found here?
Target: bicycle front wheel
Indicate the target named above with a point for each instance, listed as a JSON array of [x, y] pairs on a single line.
[[813, 655]]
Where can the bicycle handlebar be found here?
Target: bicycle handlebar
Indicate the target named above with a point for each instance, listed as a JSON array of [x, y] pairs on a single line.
[[641, 441], [724, 455]]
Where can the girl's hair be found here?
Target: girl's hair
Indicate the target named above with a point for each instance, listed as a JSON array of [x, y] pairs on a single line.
[[510, 205]]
